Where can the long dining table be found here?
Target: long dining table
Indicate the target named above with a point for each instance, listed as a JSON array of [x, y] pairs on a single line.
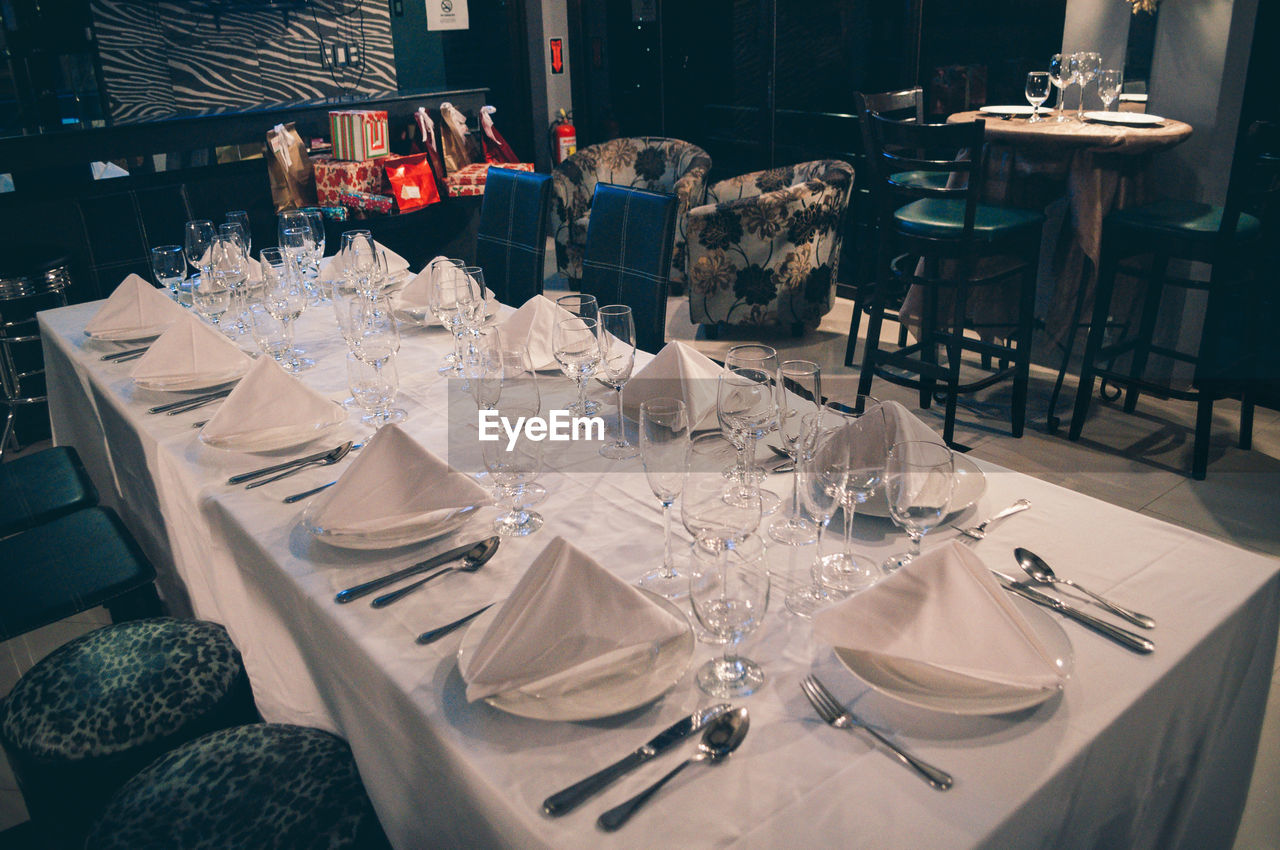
[[1136, 751]]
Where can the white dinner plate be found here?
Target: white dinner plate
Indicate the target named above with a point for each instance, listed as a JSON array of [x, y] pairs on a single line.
[[603, 692], [274, 439], [1013, 110], [202, 381], [1127, 119], [431, 526], [969, 486], [130, 334], [963, 694]]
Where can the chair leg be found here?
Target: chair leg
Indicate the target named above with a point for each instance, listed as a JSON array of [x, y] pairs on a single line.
[[1200, 451], [1097, 330], [1051, 420], [928, 345], [1022, 354], [855, 324], [1246, 420], [875, 318], [954, 354], [1147, 327]]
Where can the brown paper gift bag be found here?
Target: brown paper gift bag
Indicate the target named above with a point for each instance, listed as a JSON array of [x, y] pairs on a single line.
[[293, 184]]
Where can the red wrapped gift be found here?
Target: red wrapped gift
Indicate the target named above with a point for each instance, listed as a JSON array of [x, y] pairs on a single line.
[[367, 201], [332, 176], [470, 179], [359, 134], [413, 183]]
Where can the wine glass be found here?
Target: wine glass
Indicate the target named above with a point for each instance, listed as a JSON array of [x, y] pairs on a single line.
[[704, 510], [373, 381], [358, 259], [1060, 76], [169, 267], [580, 304], [241, 218], [729, 590], [315, 217], [197, 238], [1086, 65], [617, 359], [1037, 92], [514, 462], [576, 345], [918, 477], [482, 366], [822, 484], [298, 244], [748, 398], [456, 298], [284, 298], [228, 264], [857, 445], [273, 336], [210, 296], [801, 397], [234, 231], [664, 442], [1109, 82]]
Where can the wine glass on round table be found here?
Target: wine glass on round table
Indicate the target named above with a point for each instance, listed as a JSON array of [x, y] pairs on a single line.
[[919, 477], [729, 591], [1087, 65], [1060, 77], [1037, 92], [664, 444], [857, 445], [801, 398], [1109, 82]]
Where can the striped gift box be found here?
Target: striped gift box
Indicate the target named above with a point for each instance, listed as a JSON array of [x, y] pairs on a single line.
[[359, 134]]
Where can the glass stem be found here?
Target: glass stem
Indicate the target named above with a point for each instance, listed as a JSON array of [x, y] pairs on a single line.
[[795, 491], [848, 529], [667, 571], [582, 395], [815, 569], [916, 537], [622, 435]]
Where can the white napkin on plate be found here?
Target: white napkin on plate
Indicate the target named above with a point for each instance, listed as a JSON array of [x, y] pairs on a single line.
[[532, 326], [396, 264], [943, 619], [415, 297], [567, 612], [134, 305], [395, 483], [270, 399], [678, 371], [188, 350]]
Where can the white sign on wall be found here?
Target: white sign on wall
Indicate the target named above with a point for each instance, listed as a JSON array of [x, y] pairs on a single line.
[[447, 15]]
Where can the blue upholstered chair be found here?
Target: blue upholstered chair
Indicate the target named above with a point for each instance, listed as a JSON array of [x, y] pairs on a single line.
[[511, 243]]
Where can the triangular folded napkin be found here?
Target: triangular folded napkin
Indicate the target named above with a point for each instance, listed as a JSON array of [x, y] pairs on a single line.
[[679, 371], [943, 618], [190, 350], [332, 266], [395, 483], [415, 298], [266, 400], [566, 613], [134, 306], [533, 326]]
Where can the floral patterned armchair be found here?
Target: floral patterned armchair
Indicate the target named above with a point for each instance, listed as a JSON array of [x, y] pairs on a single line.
[[646, 162], [765, 248]]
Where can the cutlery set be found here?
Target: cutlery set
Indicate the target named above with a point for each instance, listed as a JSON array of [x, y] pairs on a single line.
[[183, 405], [473, 555], [276, 471]]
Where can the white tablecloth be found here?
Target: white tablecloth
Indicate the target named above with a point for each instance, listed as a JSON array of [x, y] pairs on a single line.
[[1139, 751]]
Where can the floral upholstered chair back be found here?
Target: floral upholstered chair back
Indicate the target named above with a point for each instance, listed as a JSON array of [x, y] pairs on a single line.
[[765, 248], [645, 162]]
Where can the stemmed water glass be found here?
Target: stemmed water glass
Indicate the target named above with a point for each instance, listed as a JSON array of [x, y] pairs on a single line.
[[747, 403], [1109, 82], [376, 342], [284, 298], [298, 243], [514, 463], [456, 299], [801, 398], [315, 217], [822, 484], [169, 267], [196, 241], [1085, 66], [729, 590], [357, 252], [1060, 76], [617, 359], [1037, 92], [210, 296], [241, 218], [373, 380], [919, 477], [576, 344], [229, 266], [664, 443], [857, 445], [587, 307], [483, 367]]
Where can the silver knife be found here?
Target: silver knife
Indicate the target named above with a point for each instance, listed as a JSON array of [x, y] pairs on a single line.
[[436, 560], [568, 799], [277, 467], [1124, 637]]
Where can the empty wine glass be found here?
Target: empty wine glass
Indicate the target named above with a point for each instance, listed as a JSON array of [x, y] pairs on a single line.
[[241, 218], [1060, 76], [298, 243], [580, 304], [169, 267], [801, 397], [729, 590], [576, 344], [284, 298], [315, 217], [747, 402], [919, 477], [1087, 64], [197, 238], [357, 252], [482, 366], [234, 231], [210, 296], [1037, 92], [273, 336], [617, 359], [704, 510], [822, 485], [373, 380], [513, 463], [228, 264], [1109, 83], [857, 444], [664, 442]]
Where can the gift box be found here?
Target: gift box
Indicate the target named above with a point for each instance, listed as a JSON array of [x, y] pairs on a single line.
[[470, 179], [333, 176], [359, 134], [367, 201], [413, 181]]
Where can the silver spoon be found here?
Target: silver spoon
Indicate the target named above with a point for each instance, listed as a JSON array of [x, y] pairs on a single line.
[[469, 565], [1041, 572], [721, 738]]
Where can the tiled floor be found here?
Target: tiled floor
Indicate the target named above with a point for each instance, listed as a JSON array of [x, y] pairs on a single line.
[[1138, 461]]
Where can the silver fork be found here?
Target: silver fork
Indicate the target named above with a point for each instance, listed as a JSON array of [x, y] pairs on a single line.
[[979, 531], [838, 716]]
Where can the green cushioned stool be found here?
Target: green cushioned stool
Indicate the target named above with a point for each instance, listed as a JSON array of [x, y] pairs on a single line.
[[41, 486], [249, 788], [99, 709]]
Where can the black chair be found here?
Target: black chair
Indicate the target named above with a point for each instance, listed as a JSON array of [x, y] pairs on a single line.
[[43, 486], [628, 256], [512, 241], [1233, 239], [945, 224]]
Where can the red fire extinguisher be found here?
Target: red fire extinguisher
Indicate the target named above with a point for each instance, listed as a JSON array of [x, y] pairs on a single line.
[[564, 138]]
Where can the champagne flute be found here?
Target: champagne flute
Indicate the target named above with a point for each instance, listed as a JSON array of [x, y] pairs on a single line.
[[1087, 65], [1060, 76], [241, 218], [576, 344], [457, 297], [822, 484], [729, 590], [747, 402], [1109, 82], [514, 464], [442, 305], [1037, 92], [857, 445], [196, 241], [169, 267], [617, 359], [801, 397], [919, 477], [664, 443]]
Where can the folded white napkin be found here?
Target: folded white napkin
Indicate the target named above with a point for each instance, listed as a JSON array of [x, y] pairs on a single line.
[[396, 483], [567, 614], [268, 400], [189, 350], [678, 371], [899, 425], [332, 266], [415, 297], [943, 618], [135, 305], [532, 326]]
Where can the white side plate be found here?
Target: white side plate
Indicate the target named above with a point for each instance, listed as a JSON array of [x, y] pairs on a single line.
[[1125, 119]]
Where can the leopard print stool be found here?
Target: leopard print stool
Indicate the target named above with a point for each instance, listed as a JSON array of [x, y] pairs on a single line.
[[253, 787], [96, 711]]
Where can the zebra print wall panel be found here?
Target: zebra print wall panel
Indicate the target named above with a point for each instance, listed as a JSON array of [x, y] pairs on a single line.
[[165, 58]]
